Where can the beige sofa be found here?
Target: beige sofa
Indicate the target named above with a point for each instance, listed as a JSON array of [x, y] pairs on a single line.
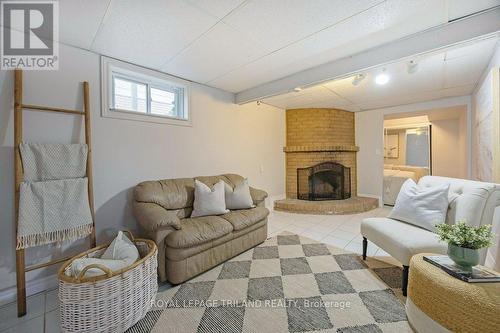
[[189, 246]]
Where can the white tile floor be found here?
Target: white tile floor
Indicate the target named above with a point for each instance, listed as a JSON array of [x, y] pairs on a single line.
[[337, 230]]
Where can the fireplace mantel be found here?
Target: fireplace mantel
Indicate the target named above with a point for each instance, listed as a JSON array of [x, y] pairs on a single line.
[[318, 148]]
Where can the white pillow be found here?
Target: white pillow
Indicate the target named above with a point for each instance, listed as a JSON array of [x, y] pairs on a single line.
[[238, 197], [79, 264], [209, 201], [421, 206], [120, 254], [121, 248]]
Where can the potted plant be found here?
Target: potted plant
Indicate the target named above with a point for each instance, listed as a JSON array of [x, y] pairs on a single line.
[[464, 241]]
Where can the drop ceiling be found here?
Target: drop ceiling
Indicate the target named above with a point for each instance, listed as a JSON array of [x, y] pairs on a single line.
[[235, 44], [448, 73]]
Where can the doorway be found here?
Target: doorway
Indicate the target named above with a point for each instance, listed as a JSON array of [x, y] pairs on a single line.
[[432, 142]]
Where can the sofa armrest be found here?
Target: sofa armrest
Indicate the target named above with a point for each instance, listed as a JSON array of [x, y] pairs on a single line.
[[152, 216], [258, 196], [158, 224]]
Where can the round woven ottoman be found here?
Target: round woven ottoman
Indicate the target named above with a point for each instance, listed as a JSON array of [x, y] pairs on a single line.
[[438, 302]]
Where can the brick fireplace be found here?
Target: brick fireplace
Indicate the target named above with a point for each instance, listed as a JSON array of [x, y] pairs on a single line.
[[319, 137]]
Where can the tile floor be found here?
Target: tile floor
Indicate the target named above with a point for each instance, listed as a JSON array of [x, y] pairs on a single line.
[[337, 230]]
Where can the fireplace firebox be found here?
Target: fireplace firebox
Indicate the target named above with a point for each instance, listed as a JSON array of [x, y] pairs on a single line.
[[324, 181]]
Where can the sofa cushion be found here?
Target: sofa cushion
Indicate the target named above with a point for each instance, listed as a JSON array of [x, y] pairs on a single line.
[[198, 230], [229, 178], [241, 219], [401, 240], [168, 193]]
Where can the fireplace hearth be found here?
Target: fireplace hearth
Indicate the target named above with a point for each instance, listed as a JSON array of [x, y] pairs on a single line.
[[324, 181]]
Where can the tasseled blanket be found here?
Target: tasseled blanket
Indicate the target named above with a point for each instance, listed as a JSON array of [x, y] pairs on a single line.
[[53, 204]]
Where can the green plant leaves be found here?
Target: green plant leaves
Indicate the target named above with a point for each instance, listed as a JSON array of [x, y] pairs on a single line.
[[463, 235]]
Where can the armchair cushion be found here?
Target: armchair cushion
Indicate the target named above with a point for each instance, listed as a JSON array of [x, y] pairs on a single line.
[[152, 216], [401, 240]]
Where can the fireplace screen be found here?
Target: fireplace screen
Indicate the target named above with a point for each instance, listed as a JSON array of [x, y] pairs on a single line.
[[324, 181]]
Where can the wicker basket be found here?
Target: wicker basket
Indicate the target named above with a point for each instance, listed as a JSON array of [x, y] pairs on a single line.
[[111, 302]]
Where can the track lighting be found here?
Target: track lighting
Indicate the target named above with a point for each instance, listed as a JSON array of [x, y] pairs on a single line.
[[357, 79], [411, 66], [382, 78]]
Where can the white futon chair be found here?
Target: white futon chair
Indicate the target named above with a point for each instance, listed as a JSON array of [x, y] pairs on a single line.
[[472, 201]]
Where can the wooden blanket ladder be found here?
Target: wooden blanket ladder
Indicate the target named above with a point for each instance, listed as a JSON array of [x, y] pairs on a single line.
[[21, 268]]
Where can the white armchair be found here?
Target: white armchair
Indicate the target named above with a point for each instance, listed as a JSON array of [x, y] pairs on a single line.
[[472, 201]]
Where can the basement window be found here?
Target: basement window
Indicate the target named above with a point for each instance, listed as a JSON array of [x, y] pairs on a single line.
[[135, 93]]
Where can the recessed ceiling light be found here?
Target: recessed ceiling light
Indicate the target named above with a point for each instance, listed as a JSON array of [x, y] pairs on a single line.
[[297, 89], [382, 78], [412, 67], [357, 79]]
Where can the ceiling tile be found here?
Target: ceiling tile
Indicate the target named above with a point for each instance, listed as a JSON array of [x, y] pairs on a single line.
[[416, 98], [267, 40], [465, 65], [216, 52], [460, 8], [465, 70], [217, 8], [435, 78], [317, 96], [75, 14], [150, 35], [475, 48], [381, 24], [277, 23]]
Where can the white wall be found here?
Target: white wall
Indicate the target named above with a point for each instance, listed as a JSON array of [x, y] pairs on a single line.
[[483, 123], [448, 155], [225, 137], [369, 138], [486, 143]]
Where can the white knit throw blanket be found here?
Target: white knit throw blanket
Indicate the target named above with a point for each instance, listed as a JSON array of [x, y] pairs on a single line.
[[57, 209], [48, 161]]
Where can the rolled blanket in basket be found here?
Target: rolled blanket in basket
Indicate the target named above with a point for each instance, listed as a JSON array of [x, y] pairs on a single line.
[[49, 161], [52, 211]]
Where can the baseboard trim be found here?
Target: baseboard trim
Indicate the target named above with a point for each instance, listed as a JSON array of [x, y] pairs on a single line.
[[270, 200], [33, 287], [380, 203]]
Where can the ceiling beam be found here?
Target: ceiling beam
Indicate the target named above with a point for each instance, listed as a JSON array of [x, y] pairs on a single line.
[[467, 28]]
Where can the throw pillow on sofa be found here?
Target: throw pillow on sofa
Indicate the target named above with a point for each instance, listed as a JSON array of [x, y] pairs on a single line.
[[421, 206], [209, 201], [238, 197]]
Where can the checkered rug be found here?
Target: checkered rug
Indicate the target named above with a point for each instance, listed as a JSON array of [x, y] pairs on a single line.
[[289, 283]]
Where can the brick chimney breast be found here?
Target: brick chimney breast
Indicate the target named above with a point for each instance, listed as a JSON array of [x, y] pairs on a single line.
[[318, 135]]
